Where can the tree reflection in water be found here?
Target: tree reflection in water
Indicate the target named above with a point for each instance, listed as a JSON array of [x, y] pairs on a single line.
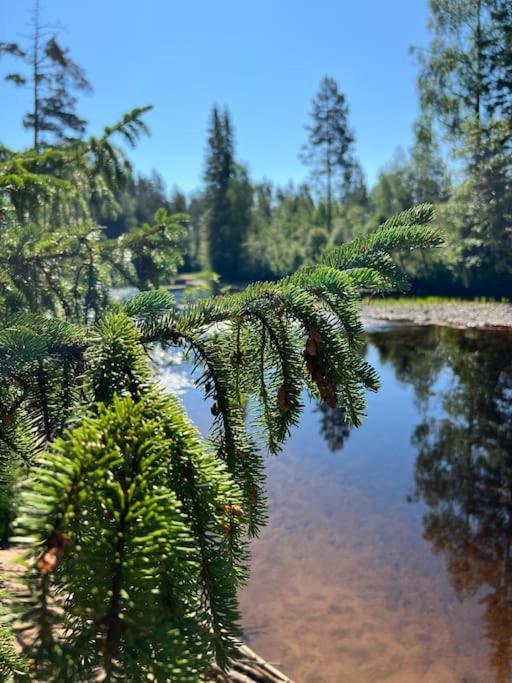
[[333, 426], [463, 470]]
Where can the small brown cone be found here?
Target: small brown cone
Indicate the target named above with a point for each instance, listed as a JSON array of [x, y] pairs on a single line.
[[282, 399], [235, 510]]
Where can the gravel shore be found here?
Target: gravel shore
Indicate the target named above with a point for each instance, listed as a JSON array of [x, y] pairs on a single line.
[[464, 314]]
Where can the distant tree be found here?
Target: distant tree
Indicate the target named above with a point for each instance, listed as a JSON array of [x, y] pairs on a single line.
[[178, 201], [228, 198], [416, 177], [393, 191], [429, 177], [263, 194], [352, 220], [52, 76], [465, 78], [151, 194], [218, 173], [258, 234], [318, 239], [196, 211], [137, 200], [465, 88], [356, 189], [281, 224], [329, 150], [455, 70], [241, 200], [501, 60], [481, 211]]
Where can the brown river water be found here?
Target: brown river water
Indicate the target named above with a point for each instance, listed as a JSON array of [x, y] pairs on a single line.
[[387, 556]]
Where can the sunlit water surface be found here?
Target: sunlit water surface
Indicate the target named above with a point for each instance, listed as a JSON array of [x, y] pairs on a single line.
[[387, 556]]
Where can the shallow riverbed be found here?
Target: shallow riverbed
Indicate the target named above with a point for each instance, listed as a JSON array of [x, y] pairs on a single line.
[[387, 555]]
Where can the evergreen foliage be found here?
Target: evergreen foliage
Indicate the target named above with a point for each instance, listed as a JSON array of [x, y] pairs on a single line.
[[54, 255], [227, 198], [136, 528], [465, 87], [11, 663], [52, 76], [148, 585], [330, 146]]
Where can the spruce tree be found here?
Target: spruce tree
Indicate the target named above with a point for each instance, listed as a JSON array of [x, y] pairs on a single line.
[[52, 77], [218, 173], [228, 198], [329, 150], [429, 177]]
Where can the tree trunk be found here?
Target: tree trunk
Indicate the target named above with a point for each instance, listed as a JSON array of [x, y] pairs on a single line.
[[329, 191], [36, 75]]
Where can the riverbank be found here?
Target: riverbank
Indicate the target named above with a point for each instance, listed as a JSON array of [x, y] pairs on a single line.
[[459, 314]]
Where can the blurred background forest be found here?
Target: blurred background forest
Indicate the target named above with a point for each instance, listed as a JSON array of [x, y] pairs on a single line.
[[242, 228]]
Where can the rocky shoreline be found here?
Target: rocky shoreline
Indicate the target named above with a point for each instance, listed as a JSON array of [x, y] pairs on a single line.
[[462, 315]]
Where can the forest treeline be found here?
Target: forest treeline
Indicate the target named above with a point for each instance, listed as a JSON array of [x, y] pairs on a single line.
[[242, 228], [460, 161]]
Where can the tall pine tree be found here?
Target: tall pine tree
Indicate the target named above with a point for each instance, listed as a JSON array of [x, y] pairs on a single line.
[[329, 150], [228, 199], [53, 77]]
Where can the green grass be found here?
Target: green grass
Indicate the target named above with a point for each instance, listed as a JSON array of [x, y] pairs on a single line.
[[197, 275]]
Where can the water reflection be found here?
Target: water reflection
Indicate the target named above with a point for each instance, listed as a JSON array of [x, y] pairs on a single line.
[[333, 426], [463, 470], [344, 584]]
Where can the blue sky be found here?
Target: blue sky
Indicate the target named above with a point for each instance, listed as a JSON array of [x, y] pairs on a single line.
[[263, 59]]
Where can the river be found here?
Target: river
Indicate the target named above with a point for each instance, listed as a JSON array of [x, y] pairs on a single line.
[[387, 556]]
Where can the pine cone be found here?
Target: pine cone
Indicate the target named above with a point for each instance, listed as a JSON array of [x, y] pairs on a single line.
[[283, 397], [234, 510]]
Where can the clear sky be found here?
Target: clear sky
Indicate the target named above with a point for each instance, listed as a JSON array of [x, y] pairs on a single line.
[[263, 58]]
